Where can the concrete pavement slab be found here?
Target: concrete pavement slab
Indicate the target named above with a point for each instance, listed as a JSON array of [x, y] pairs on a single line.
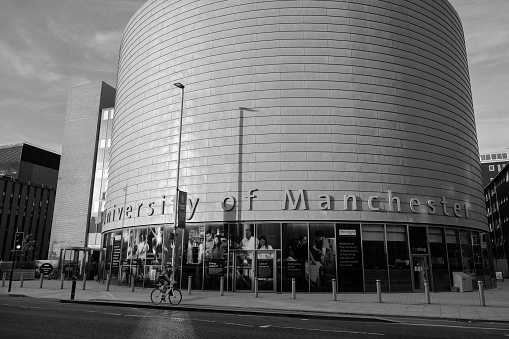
[[444, 305]]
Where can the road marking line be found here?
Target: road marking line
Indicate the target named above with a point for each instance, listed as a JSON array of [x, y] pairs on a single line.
[[335, 331], [266, 326], [238, 324], [454, 326]]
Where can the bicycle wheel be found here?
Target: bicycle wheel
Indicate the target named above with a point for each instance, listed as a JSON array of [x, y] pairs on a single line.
[[175, 298], [156, 296]]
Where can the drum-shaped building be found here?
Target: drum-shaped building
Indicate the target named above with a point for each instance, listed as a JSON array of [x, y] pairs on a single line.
[[320, 140]]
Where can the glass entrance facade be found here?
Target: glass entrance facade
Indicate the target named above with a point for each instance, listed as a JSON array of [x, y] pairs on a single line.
[[356, 255]]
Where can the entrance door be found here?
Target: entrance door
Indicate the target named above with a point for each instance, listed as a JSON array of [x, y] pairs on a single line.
[[250, 264], [243, 270], [421, 272], [265, 270]]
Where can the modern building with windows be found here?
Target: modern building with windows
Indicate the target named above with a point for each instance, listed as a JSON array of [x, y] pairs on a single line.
[[340, 133], [28, 179], [83, 178], [492, 164], [497, 206]]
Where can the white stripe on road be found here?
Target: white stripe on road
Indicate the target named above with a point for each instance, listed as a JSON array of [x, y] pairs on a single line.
[[454, 326], [335, 331]]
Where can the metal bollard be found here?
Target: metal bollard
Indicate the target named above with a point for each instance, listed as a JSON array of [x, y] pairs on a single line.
[[426, 291], [84, 280], [481, 293], [62, 281], [256, 287], [379, 290], [334, 293], [221, 286], [41, 280], [293, 288], [132, 282], [73, 289], [3, 279], [21, 280], [107, 282], [189, 283]]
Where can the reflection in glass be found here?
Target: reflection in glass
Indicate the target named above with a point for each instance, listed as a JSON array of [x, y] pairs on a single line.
[[438, 252], [398, 258], [295, 242], [467, 255], [375, 260]]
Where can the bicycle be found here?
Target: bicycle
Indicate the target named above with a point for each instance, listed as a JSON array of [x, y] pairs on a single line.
[[173, 295]]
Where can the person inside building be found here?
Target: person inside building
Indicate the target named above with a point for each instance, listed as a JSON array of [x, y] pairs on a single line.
[[209, 243], [248, 243], [217, 250], [263, 245]]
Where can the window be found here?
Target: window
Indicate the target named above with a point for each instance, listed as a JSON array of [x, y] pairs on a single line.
[[491, 168], [108, 144], [105, 114], [111, 113], [102, 143]]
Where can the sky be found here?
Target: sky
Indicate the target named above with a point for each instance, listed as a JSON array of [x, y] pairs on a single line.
[[48, 46]]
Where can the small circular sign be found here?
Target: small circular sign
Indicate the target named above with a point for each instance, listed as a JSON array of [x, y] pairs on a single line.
[[46, 268]]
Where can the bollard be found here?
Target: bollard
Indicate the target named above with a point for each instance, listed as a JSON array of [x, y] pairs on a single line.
[[84, 280], [41, 280], [62, 281], [293, 288], [3, 279], [73, 288], [334, 294], [426, 291], [189, 282], [132, 282], [256, 287], [221, 286], [379, 290], [481, 293], [107, 282], [21, 280]]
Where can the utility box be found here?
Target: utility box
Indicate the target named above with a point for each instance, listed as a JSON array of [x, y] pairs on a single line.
[[462, 282]]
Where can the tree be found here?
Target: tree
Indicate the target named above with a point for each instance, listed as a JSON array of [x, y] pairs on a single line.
[[27, 249]]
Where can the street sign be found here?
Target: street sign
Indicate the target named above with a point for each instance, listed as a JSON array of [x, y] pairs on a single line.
[[46, 268], [181, 209]]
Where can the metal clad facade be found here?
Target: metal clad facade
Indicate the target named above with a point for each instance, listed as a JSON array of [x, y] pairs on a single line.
[[335, 98]]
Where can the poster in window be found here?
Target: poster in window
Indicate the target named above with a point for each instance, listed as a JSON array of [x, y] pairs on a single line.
[[349, 258]]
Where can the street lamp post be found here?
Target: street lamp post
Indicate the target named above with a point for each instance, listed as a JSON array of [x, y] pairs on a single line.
[[175, 220]]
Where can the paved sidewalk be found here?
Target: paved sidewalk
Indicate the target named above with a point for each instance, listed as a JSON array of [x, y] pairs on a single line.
[[444, 305]]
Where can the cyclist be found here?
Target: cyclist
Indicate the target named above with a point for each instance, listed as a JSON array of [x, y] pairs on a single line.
[[164, 278]]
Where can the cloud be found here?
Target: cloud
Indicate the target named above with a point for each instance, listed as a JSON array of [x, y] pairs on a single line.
[[486, 30], [106, 43], [31, 64]]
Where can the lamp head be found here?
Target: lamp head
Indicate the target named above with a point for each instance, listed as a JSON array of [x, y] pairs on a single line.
[[179, 85]]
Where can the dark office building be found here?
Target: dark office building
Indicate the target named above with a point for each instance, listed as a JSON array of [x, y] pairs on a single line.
[[491, 165], [28, 177], [497, 206]]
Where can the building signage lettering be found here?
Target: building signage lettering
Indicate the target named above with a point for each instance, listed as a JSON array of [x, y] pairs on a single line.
[[298, 200]]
